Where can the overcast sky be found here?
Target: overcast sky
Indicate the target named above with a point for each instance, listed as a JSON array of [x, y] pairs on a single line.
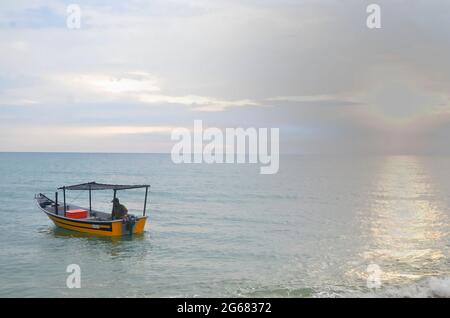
[[137, 69]]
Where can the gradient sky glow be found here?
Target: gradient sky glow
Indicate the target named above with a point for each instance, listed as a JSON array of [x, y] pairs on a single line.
[[137, 69]]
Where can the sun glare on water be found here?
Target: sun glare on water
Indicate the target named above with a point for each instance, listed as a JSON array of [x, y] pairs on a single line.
[[405, 226]]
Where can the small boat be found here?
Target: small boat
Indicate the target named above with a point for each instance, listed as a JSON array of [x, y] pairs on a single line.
[[86, 220]]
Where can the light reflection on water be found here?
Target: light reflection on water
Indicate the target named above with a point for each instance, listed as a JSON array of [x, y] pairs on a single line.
[[406, 228]]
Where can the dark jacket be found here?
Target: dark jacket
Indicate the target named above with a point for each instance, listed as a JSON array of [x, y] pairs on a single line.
[[119, 211]]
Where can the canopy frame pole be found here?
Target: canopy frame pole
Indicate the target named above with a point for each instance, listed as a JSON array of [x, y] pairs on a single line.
[[56, 202], [145, 200], [64, 194], [90, 199]]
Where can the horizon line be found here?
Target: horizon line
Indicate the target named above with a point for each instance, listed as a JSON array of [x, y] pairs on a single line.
[[168, 153]]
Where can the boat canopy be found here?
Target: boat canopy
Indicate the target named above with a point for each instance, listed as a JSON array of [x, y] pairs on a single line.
[[93, 186]]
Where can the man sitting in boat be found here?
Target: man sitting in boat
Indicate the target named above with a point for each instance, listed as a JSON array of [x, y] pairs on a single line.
[[119, 210]]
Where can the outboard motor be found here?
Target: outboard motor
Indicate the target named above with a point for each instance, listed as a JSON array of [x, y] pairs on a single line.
[[129, 223]]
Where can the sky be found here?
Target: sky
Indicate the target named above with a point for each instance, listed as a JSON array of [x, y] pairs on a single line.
[[135, 70]]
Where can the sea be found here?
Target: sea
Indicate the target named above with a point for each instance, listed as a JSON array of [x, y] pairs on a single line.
[[323, 226]]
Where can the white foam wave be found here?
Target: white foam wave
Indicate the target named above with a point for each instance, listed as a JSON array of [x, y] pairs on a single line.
[[431, 287]]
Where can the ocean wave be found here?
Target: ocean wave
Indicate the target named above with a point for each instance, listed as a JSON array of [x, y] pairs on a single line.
[[431, 287]]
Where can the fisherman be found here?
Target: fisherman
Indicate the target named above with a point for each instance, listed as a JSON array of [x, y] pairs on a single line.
[[119, 211]]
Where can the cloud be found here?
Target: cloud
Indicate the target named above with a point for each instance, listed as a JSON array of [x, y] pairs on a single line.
[[198, 103], [335, 99], [36, 17], [130, 82], [95, 138], [311, 68], [117, 130], [128, 87]]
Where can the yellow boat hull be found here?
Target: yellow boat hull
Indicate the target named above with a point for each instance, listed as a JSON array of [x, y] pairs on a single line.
[[112, 228]]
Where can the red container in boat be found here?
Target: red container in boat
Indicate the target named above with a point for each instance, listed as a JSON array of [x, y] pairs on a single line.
[[77, 214]]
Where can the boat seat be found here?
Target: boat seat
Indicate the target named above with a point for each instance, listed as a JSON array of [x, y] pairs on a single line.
[[46, 204]]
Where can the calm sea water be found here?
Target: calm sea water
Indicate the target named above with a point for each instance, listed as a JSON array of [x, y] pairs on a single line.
[[311, 230]]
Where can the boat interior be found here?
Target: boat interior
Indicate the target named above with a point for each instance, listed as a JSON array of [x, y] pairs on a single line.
[[49, 205]]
